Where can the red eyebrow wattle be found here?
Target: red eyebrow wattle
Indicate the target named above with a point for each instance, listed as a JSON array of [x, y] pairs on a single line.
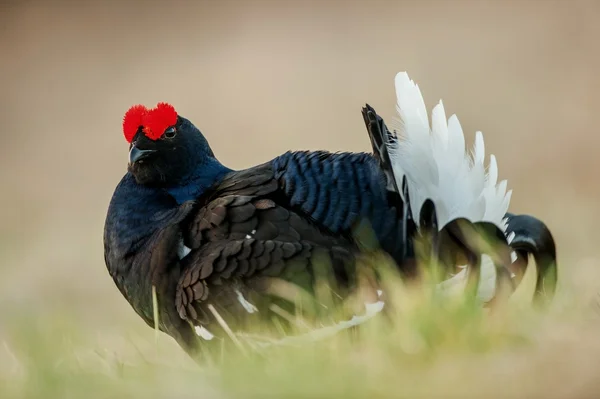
[[153, 121]]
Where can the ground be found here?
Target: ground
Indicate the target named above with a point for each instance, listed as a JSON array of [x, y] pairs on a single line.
[[259, 78]]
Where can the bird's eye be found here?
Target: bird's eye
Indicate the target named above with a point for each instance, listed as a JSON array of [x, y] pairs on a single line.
[[170, 132]]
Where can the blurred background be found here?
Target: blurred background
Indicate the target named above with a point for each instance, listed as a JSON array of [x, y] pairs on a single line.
[[262, 77]]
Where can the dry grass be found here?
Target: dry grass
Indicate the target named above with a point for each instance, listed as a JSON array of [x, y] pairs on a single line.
[[260, 78]]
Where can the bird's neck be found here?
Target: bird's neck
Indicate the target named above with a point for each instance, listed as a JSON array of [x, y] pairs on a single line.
[[203, 176]]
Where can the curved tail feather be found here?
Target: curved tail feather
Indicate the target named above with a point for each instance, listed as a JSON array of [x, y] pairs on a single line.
[[529, 236]]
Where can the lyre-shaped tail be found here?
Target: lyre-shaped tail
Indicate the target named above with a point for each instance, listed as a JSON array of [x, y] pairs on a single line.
[[447, 195]]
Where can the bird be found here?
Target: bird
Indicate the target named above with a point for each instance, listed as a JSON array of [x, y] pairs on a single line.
[[200, 251]]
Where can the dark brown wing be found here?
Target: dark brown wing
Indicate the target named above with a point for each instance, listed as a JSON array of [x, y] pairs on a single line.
[[242, 238]]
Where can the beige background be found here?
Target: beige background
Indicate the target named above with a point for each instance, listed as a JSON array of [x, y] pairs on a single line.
[[259, 78]]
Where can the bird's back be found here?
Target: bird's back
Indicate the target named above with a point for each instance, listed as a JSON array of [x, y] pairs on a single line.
[[340, 192]]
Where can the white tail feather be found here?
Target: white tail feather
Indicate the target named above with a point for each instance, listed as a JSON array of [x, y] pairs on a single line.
[[438, 167]]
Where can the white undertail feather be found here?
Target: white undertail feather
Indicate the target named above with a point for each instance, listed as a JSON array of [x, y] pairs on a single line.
[[437, 166]]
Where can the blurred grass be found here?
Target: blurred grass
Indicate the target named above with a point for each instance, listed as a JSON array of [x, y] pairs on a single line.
[[424, 346]]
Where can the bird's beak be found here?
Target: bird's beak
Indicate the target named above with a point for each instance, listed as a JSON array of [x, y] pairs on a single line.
[[135, 154]]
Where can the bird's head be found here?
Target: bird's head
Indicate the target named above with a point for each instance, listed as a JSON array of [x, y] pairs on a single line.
[[165, 148]]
